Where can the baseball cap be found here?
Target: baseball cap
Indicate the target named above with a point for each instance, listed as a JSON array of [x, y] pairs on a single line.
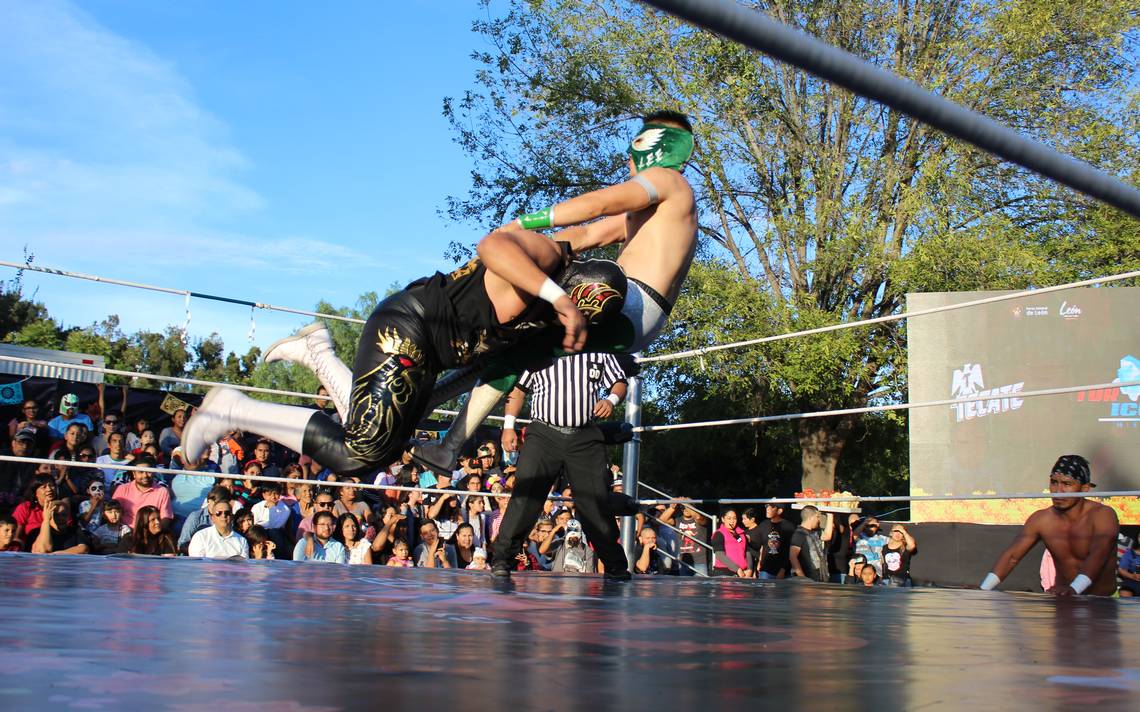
[[573, 528], [28, 434], [480, 552]]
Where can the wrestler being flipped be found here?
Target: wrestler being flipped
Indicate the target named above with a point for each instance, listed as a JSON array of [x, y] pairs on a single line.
[[654, 216], [511, 301], [1079, 533]]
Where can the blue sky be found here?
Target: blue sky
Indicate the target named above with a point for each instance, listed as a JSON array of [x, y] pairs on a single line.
[[282, 152]]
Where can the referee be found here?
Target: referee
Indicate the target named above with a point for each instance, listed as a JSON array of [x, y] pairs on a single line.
[[562, 437]]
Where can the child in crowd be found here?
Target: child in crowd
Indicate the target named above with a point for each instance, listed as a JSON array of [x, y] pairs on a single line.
[[243, 521], [479, 560], [105, 537], [400, 554], [260, 545], [8, 535], [91, 509], [271, 512]]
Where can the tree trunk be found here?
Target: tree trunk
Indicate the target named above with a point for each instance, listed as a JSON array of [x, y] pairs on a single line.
[[821, 443]]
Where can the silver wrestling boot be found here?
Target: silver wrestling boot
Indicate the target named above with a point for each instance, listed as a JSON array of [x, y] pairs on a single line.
[[225, 409], [312, 347], [441, 457]]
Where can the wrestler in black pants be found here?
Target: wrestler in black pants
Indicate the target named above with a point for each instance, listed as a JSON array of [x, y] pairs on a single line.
[[548, 452]]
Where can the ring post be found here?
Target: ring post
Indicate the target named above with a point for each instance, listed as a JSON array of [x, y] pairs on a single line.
[[629, 461]]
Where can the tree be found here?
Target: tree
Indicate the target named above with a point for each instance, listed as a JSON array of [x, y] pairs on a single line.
[[40, 334], [826, 207], [345, 336]]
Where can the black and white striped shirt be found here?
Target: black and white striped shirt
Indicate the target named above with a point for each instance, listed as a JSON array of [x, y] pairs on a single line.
[[564, 393]]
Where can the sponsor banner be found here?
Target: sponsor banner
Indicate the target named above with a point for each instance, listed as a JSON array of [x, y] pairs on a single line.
[[1004, 443]]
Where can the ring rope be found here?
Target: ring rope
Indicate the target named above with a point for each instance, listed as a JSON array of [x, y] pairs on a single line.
[[678, 500], [239, 476], [194, 381], [891, 317], [881, 408], [1107, 494], [704, 350], [761, 33], [182, 292]]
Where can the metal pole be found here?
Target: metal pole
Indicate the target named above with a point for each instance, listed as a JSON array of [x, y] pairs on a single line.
[[629, 462]]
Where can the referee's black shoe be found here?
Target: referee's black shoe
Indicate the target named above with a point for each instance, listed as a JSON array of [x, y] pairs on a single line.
[[501, 569]]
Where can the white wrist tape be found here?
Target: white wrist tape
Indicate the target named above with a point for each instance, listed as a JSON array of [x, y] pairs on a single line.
[[550, 291], [613, 398], [990, 582], [1080, 583], [508, 422]]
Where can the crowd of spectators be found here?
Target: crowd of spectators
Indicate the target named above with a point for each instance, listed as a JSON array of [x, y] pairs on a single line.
[[216, 510]]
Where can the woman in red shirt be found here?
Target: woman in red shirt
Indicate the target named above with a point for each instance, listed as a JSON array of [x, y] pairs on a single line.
[[29, 514]]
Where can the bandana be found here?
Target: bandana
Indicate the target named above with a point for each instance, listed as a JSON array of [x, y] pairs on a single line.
[[660, 145], [1073, 466]]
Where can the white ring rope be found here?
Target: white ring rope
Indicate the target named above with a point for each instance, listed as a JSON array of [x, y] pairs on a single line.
[[650, 502], [239, 476], [195, 381], [170, 290], [883, 408], [890, 317], [903, 498], [642, 359]]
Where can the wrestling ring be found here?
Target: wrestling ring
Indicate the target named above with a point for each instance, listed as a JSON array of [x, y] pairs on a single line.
[[133, 632]]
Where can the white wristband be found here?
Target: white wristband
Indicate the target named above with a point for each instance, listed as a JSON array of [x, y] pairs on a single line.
[[613, 398], [1080, 583], [550, 291], [990, 582], [508, 422]]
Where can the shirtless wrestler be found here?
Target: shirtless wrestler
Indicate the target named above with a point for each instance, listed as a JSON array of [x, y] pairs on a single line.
[[1079, 533]]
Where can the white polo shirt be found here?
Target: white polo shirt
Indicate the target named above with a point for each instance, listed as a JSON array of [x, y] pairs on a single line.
[[208, 543], [274, 517]]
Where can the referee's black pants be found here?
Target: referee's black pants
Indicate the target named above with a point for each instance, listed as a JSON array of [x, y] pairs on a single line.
[[547, 452]]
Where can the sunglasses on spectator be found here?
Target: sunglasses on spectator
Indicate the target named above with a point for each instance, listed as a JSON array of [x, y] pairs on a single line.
[[110, 421], [325, 504], [85, 456], [223, 513]]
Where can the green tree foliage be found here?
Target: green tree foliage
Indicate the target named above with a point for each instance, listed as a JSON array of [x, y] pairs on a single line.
[[817, 206], [345, 335]]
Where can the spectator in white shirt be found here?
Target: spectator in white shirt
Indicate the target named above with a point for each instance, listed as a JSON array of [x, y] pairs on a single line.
[[271, 512], [219, 541]]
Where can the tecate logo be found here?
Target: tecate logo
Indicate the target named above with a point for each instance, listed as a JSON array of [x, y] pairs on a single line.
[[967, 382], [1069, 311]]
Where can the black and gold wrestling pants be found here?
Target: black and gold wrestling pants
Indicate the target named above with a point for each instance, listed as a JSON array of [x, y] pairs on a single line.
[[392, 380]]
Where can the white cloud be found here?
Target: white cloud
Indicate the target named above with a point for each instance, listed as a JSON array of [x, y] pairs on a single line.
[[98, 130]]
